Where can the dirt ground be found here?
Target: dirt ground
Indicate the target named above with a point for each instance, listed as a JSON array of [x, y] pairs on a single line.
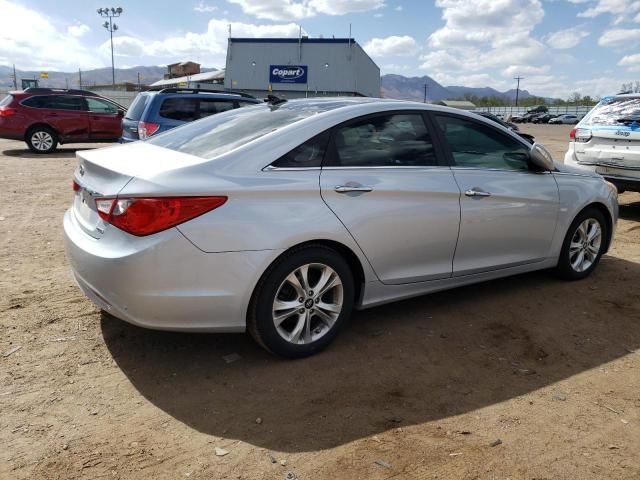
[[521, 378]]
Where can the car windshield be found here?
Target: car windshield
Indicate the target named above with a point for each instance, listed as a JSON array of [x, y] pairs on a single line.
[[221, 133], [137, 107], [616, 111], [6, 100]]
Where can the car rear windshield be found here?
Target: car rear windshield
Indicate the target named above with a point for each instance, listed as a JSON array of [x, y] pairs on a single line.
[[218, 134], [137, 107], [6, 100], [616, 111]]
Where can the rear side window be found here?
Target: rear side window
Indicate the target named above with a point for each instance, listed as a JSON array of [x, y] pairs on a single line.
[[6, 100], [475, 145], [392, 140], [179, 108], [100, 106], [209, 106], [58, 102], [137, 108], [615, 111], [307, 155]]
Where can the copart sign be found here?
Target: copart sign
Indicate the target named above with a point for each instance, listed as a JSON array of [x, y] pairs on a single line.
[[288, 74]]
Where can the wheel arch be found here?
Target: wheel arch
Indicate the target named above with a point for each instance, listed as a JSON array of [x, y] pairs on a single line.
[[30, 128], [347, 253], [602, 208]]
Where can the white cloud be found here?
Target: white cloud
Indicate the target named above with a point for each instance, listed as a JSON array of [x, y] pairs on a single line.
[[599, 86], [391, 46], [78, 30], [282, 10], [621, 8], [203, 7], [43, 45], [569, 38], [620, 37], [210, 46], [486, 21], [398, 8], [631, 62], [513, 70]]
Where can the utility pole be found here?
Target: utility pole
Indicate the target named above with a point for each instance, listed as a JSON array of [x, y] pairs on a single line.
[[80, 78], [15, 78], [518, 87], [425, 92], [111, 13]]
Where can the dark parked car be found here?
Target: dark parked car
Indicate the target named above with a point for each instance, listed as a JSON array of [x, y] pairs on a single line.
[[544, 118], [46, 117], [154, 112], [509, 125], [538, 109]]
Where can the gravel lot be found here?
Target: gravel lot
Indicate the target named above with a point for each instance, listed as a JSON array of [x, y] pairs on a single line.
[[425, 388]]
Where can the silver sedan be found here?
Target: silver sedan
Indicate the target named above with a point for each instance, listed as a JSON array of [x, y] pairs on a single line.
[[282, 218]]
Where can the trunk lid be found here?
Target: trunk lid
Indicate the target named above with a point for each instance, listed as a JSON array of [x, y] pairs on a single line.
[[106, 171]]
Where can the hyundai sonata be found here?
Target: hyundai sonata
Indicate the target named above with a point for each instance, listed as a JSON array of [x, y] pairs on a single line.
[[281, 218]]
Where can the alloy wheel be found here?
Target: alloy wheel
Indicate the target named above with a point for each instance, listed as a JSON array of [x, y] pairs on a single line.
[[308, 303], [42, 141], [585, 245]]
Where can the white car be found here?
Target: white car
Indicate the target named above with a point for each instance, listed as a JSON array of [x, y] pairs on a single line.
[[566, 119], [607, 141]]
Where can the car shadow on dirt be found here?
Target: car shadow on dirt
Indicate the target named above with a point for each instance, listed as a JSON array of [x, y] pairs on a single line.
[[629, 210], [62, 152], [405, 363]]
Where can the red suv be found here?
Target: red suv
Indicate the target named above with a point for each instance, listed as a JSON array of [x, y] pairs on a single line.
[[45, 117]]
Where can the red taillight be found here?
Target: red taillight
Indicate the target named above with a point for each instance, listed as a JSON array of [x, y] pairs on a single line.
[[76, 187], [7, 112], [146, 129], [144, 216], [572, 133]]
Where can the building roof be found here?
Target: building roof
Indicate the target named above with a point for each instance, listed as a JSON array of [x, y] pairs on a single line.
[[182, 64], [292, 40], [462, 104], [198, 77]]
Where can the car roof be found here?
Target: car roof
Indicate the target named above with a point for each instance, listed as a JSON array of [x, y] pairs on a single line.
[[187, 92]]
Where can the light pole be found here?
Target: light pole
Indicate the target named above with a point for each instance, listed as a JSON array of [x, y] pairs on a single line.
[[111, 13]]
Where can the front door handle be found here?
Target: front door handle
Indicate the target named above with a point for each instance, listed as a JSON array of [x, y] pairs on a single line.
[[472, 192], [352, 188]]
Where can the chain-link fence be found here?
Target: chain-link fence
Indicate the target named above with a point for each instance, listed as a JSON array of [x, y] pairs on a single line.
[[578, 110]]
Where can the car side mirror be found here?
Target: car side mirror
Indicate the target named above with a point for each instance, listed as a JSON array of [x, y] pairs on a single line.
[[541, 158]]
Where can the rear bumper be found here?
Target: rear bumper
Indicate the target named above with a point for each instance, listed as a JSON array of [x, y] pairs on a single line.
[[10, 133], [624, 179], [163, 281]]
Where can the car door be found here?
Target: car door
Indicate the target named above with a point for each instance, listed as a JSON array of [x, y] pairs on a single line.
[[385, 180], [105, 119], [66, 114], [508, 211]]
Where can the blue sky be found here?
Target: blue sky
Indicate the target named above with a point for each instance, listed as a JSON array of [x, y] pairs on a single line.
[[559, 46]]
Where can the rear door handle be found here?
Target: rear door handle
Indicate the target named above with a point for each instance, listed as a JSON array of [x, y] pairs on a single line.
[[472, 192], [351, 188]]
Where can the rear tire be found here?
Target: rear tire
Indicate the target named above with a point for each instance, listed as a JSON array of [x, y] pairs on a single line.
[[301, 302], [42, 139], [583, 246]]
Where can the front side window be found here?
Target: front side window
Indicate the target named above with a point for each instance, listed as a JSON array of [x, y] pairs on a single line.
[[307, 155], [476, 145], [100, 106], [391, 140], [209, 106], [179, 108]]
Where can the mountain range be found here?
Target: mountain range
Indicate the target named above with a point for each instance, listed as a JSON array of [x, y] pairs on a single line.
[[392, 86]]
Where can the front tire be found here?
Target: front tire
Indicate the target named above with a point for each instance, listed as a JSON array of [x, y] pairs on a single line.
[[42, 140], [301, 302], [583, 245]]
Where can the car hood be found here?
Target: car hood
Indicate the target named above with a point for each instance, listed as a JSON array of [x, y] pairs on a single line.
[[562, 168]]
